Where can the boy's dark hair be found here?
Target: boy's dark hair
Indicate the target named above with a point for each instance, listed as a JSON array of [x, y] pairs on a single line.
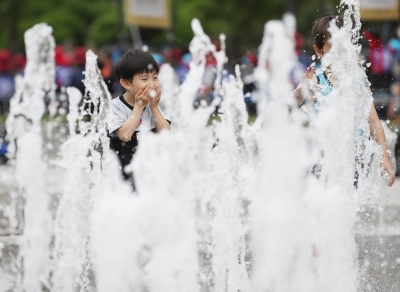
[[320, 28], [135, 62]]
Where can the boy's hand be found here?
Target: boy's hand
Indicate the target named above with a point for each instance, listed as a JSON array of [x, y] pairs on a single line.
[[142, 97], [156, 96]]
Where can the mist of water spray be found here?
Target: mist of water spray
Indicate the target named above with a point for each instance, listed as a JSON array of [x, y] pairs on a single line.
[[279, 235], [169, 85], [25, 133], [86, 179]]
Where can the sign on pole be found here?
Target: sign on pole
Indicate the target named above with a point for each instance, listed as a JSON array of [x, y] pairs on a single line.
[[380, 9], [148, 13]]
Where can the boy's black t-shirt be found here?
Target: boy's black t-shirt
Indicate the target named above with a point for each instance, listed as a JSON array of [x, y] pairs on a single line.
[[121, 111], [126, 150]]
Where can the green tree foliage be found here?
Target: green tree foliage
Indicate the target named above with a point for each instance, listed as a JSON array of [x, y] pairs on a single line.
[[243, 21], [98, 21], [77, 20]]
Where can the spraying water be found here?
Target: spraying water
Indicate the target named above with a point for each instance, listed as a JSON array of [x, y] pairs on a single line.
[[226, 207], [24, 126]]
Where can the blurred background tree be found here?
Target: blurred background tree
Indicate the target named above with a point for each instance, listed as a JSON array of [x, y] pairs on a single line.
[[100, 22], [80, 21], [243, 21]]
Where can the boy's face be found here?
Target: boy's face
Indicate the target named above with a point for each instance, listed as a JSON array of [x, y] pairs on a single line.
[[140, 81]]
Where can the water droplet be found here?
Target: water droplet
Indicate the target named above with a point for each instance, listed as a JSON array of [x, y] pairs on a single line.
[[62, 111]]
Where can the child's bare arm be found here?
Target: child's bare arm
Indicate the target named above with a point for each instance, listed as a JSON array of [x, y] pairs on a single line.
[[378, 133], [305, 87], [159, 120]]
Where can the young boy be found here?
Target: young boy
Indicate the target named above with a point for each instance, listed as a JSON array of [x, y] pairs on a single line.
[[321, 47], [136, 109]]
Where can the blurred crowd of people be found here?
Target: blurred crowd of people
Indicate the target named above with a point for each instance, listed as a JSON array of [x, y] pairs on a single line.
[[384, 71], [10, 65], [383, 60]]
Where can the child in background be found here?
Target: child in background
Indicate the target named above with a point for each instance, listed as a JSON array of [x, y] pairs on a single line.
[[326, 85]]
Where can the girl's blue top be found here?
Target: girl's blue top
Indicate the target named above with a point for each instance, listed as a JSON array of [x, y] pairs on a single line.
[[325, 87], [324, 83]]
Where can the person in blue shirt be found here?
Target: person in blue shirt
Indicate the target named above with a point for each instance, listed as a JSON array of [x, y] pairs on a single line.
[[326, 85]]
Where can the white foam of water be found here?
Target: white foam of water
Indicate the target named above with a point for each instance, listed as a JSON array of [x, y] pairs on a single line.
[[343, 116], [280, 242], [115, 236], [221, 59], [357, 105], [87, 174], [75, 97], [165, 246], [71, 223], [72, 216], [24, 126], [169, 85], [231, 163]]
